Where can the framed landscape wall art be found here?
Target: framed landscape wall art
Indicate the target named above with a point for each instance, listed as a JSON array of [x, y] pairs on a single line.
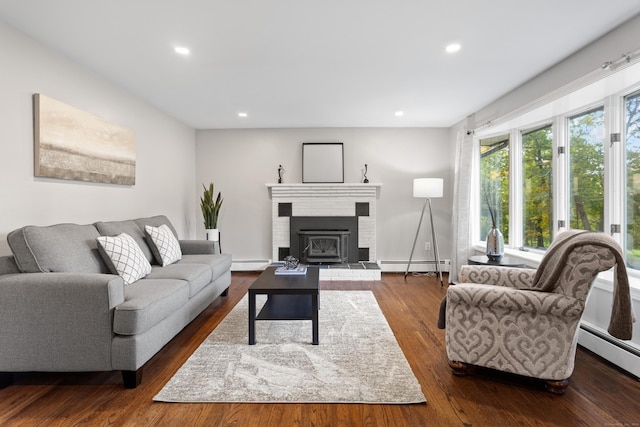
[[322, 162], [72, 144]]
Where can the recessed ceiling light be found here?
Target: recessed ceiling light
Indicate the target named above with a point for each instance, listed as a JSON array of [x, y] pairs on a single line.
[[453, 47], [242, 114], [181, 50], [399, 113]]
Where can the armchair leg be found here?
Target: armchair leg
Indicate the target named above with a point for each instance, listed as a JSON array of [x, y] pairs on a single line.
[[557, 387], [225, 293], [459, 368], [132, 379]]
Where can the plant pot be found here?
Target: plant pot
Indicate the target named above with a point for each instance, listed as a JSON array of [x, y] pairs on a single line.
[[495, 244], [213, 234]]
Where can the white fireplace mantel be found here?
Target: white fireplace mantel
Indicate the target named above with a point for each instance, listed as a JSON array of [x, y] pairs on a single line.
[[323, 190]]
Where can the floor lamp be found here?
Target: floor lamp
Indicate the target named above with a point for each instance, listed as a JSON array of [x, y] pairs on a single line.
[[427, 188]]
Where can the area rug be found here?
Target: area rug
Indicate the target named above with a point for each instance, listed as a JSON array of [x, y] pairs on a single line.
[[358, 359]]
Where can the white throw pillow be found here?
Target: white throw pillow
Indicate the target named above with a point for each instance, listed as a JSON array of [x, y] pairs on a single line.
[[124, 256], [164, 245]]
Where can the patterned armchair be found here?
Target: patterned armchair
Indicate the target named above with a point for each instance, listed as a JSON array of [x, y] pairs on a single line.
[[525, 321]]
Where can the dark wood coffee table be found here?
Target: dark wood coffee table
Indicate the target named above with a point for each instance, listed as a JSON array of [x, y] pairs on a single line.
[[288, 298]]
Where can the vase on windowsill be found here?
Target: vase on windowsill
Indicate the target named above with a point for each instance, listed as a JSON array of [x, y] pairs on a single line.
[[495, 244]]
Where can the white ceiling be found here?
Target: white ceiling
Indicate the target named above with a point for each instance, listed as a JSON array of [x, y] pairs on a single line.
[[322, 63]]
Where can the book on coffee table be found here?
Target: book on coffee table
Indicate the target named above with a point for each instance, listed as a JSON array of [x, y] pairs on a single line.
[[298, 271]]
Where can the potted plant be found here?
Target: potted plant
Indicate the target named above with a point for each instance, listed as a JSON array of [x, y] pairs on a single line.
[[210, 211]]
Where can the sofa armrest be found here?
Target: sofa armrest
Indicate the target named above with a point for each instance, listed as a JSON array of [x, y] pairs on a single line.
[[521, 278], [197, 247], [57, 321], [508, 299]]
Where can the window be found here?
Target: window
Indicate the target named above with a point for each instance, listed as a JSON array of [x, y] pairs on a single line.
[[572, 163], [632, 137], [586, 170], [537, 181], [494, 185]]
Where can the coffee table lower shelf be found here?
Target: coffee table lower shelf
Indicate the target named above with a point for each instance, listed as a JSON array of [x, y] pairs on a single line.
[[287, 307]]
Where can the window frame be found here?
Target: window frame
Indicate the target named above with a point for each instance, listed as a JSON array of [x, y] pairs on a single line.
[[608, 91]]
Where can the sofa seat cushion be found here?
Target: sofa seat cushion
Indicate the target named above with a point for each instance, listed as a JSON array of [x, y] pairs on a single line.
[[198, 275], [61, 248], [219, 264], [147, 302]]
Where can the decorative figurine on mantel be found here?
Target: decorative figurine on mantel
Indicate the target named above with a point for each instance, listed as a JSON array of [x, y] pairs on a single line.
[[366, 180], [280, 172]]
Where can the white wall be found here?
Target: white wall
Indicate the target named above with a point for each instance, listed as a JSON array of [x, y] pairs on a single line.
[[165, 148], [240, 162]]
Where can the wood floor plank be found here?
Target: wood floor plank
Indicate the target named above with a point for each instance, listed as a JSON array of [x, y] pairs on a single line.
[[599, 394]]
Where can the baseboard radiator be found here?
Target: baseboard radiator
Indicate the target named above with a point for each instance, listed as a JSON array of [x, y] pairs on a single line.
[[616, 351]]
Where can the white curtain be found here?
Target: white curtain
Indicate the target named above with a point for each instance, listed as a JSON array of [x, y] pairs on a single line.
[[462, 196]]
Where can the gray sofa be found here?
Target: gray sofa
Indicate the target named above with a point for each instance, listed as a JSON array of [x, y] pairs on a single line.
[[63, 310]]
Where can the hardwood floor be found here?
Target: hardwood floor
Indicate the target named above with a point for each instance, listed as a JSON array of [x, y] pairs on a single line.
[[599, 394]]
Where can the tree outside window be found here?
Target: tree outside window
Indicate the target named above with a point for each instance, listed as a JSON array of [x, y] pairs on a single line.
[[537, 195], [586, 176]]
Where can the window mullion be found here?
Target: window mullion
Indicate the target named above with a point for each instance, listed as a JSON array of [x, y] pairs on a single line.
[[614, 166], [560, 176], [515, 193]]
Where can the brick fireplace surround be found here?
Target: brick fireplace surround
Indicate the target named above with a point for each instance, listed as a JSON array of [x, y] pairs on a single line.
[[316, 200]]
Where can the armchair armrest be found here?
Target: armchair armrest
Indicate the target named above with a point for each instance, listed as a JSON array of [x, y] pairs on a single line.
[[512, 277], [197, 247], [516, 300], [57, 321]]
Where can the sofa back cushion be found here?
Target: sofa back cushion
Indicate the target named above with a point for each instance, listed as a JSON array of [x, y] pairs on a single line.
[[60, 248], [156, 221]]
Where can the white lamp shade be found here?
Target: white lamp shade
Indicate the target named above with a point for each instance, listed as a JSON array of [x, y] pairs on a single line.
[[428, 187]]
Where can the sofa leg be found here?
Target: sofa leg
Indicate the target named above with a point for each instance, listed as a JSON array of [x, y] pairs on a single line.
[[459, 368], [132, 379], [6, 379], [225, 292], [557, 387]]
